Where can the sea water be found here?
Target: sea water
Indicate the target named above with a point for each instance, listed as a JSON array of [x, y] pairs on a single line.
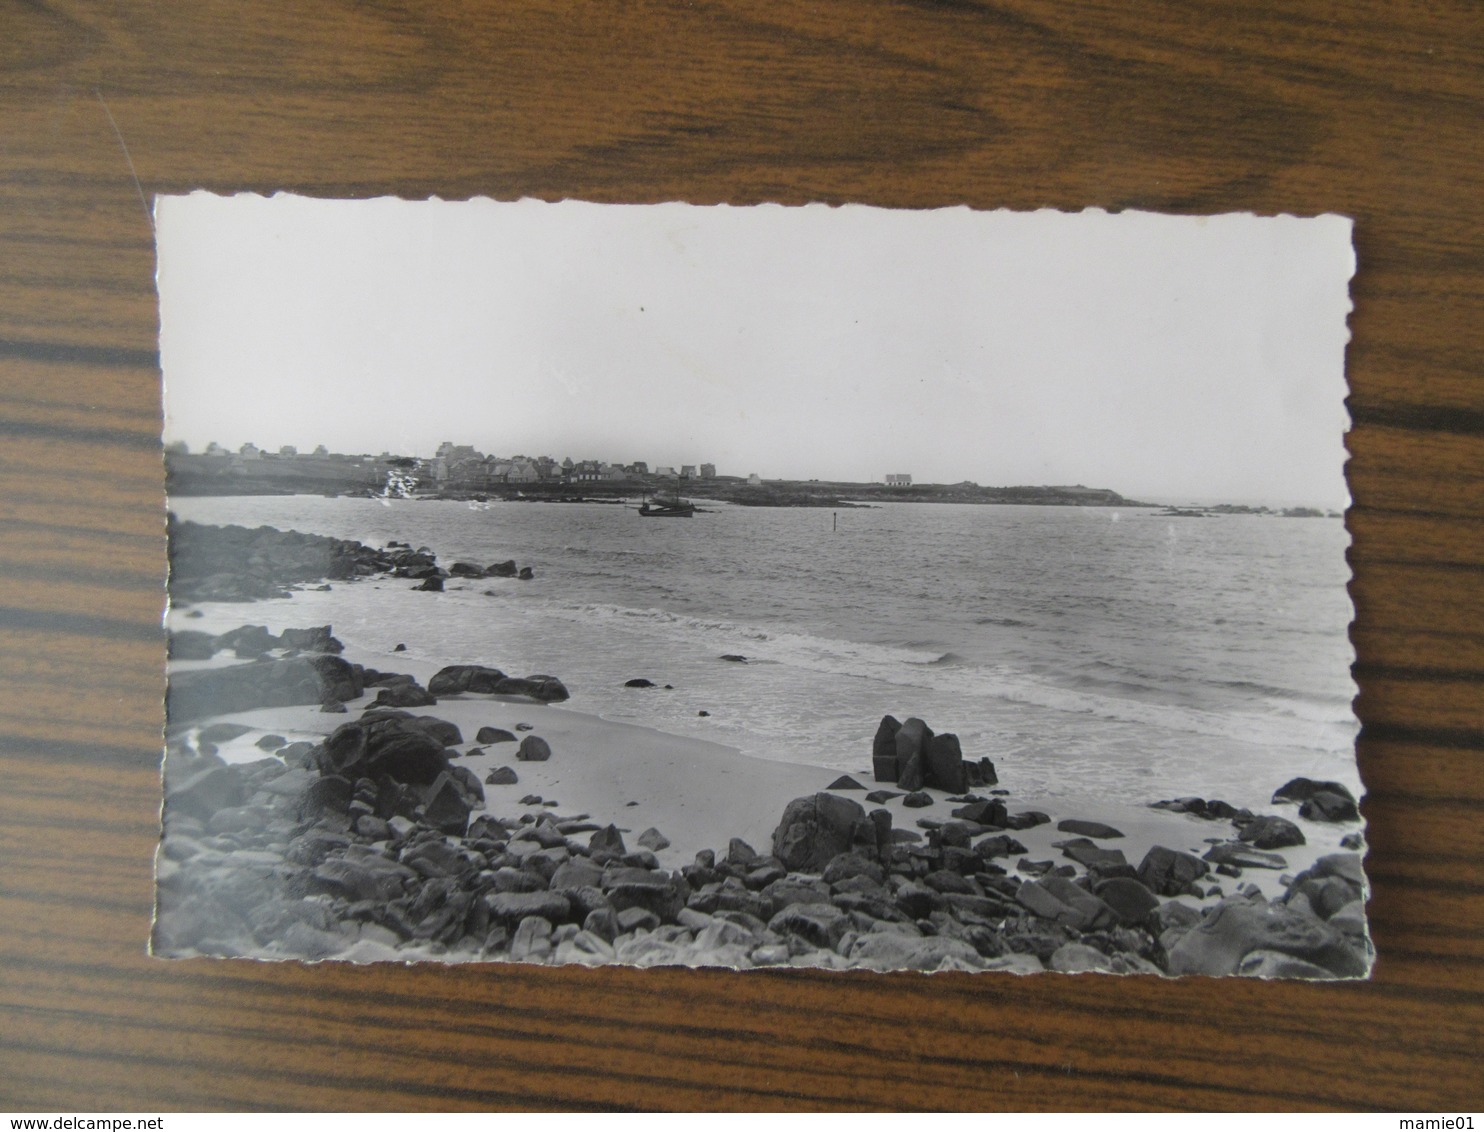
[[1113, 653]]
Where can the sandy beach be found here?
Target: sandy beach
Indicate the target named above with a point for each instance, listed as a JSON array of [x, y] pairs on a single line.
[[698, 794]]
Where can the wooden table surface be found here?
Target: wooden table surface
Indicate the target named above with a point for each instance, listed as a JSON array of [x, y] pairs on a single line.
[[1369, 109]]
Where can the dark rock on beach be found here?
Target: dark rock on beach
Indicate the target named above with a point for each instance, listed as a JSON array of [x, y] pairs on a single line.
[[205, 692], [533, 749], [1211, 810], [1269, 832], [1170, 872], [1129, 898], [1088, 828], [884, 750], [912, 740], [986, 812], [816, 829], [542, 689], [232, 563], [394, 747], [404, 695], [943, 764], [493, 735], [192, 645], [460, 679], [1058, 899], [1330, 806], [654, 840], [912, 756], [457, 679], [1319, 801]]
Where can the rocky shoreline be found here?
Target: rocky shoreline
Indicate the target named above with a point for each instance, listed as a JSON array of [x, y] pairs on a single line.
[[376, 845], [375, 841]]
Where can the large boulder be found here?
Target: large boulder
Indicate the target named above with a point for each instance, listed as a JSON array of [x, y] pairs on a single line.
[[542, 689], [816, 829], [533, 749], [1322, 801], [1170, 872], [1348, 866], [440, 729], [1328, 806], [1129, 898], [408, 694], [447, 806], [264, 683], [1094, 858], [1302, 789], [913, 739], [457, 679], [943, 764], [391, 747], [981, 773], [1057, 898], [1270, 832], [884, 750], [1237, 927]]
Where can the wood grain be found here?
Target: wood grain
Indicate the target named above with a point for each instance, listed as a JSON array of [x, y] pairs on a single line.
[[1370, 109]]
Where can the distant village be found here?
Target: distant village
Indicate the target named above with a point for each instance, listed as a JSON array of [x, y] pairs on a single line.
[[454, 467], [460, 471]]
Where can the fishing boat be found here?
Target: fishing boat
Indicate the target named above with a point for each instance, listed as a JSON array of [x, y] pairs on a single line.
[[674, 508]]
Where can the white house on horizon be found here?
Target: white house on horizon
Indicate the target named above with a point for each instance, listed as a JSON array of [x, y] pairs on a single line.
[[901, 479]]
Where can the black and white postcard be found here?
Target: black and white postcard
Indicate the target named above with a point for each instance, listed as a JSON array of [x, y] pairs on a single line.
[[745, 587]]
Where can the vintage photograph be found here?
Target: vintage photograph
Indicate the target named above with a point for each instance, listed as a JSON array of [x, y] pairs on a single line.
[[837, 587]]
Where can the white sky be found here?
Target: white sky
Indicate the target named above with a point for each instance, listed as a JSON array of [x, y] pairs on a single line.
[[1164, 357]]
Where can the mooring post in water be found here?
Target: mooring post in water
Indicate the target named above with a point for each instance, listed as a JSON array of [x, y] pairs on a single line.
[[834, 520]]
